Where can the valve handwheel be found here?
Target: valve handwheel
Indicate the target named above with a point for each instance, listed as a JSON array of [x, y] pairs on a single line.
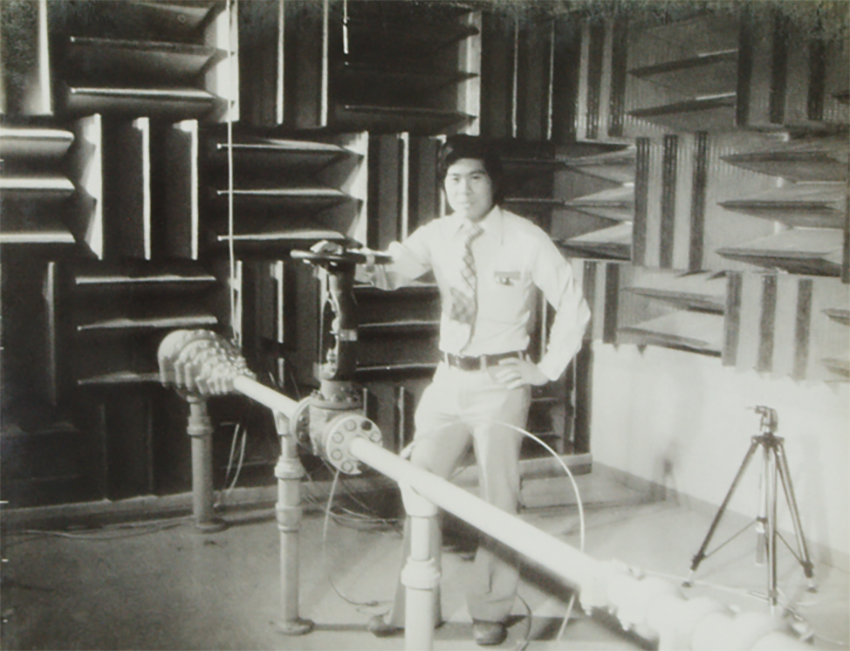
[[330, 253]]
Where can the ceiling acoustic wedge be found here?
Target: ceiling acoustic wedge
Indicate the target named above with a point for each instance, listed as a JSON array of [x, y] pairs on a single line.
[[807, 251], [838, 366], [807, 159], [614, 243], [711, 113], [614, 203], [811, 205], [705, 74], [838, 315], [618, 166], [698, 332]]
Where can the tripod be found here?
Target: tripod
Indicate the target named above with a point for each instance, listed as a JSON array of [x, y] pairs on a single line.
[[775, 465]]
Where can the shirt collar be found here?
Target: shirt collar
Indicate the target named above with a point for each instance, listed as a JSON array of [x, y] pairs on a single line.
[[491, 223]]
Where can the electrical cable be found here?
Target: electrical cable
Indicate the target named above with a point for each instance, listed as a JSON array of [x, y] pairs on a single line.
[[351, 495], [294, 379], [367, 604], [142, 529], [569, 473], [829, 640], [557, 458], [230, 488], [350, 519], [371, 517], [522, 645], [741, 592], [721, 546], [223, 494], [567, 616], [231, 456]]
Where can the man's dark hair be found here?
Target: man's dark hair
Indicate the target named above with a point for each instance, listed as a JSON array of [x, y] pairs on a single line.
[[463, 146]]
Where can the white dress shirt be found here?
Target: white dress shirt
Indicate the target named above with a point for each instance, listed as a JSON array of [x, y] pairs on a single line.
[[513, 257]]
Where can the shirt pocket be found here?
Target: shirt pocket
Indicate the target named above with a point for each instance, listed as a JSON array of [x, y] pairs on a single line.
[[504, 295]]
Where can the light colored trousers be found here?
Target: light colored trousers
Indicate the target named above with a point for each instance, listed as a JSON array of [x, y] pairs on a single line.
[[458, 408]]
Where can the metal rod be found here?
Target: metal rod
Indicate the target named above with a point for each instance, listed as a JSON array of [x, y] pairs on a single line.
[[770, 481], [785, 476]]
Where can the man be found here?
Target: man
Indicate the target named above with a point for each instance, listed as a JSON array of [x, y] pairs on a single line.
[[488, 263]]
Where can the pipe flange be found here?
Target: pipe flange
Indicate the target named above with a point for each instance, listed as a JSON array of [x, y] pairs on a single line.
[[299, 423], [341, 431]]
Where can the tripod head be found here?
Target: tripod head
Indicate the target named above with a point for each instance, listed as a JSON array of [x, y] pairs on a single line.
[[769, 419]]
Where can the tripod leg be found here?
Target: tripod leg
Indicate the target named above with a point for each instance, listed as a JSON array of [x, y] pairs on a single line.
[[770, 496], [785, 476], [700, 555], [761, 520]]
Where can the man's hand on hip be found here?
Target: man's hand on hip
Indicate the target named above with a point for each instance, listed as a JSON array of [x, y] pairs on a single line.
[[515, 373]]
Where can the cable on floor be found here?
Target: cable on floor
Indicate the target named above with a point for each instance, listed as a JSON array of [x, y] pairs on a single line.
[[142, 529], [353, 602], [224, 494], [567, 615], [522, 645], [348, 517]]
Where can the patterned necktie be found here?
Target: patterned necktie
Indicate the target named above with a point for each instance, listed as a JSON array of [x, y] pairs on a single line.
[[463, 294]]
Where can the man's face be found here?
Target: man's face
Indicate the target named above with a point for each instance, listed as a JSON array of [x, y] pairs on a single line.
[[469, 189]]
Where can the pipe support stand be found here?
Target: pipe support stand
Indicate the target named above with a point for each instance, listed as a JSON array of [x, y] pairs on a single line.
[[289, 469], [419, 613], [296, 626], [200, 423], [288, 518], [421, 575], [290, 622], [200, 429]]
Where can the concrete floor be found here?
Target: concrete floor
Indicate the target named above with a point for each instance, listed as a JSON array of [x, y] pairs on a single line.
[[163, 586]]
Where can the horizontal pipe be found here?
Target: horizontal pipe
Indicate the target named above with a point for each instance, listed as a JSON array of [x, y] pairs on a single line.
[[265, 396], [547, 551]]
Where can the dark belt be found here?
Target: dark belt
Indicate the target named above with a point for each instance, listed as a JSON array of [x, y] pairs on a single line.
[[465, 363]]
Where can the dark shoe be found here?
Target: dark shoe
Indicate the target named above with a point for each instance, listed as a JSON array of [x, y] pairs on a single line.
[[380, 628], [488, 633]]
